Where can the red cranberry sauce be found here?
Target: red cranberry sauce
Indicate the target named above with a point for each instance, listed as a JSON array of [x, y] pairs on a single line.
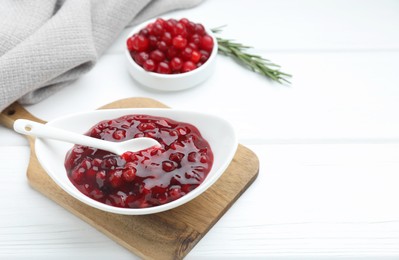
[[147, 178], [170, 46]]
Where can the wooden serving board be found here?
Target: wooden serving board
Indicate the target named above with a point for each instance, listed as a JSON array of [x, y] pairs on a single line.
[[167, 235]]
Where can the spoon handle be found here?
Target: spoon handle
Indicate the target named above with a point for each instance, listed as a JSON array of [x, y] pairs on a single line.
[[33, 128]]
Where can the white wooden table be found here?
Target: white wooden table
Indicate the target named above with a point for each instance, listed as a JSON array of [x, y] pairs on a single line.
[[328, 145]]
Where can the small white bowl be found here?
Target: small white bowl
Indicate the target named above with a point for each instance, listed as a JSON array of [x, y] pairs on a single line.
[[171, 82], [218, 132]]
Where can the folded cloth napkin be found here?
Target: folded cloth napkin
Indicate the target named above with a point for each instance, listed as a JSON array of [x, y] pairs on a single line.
[[45, 45]]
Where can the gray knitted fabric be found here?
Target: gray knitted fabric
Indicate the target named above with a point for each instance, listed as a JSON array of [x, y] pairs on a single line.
[[45, 45]]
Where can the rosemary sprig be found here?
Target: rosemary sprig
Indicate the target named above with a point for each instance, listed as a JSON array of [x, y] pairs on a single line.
[[254, 62]]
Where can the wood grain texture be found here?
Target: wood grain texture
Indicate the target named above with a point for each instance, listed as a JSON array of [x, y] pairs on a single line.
[[167, 235]]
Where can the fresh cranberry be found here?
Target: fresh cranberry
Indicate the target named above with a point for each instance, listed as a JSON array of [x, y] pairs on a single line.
[[141, 57], [138, 43], [162, 46], [176, 64], [196, 39], [179, 42], [195, 56], [167, 38], [163, 68], [149, 65], [157, 29], [129, 44], [169, 25], [207, 43], [142, 179], [160, 42], [199, 28], [204, 55], [172, 53], [187, 53], [188, 66], [193, 46], [157, 55], [179, 29], [190, 27], [184, 21], [145, 32], [153, 41]]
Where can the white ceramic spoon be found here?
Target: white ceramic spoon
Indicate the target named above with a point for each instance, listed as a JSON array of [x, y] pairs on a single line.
[[33, 128]]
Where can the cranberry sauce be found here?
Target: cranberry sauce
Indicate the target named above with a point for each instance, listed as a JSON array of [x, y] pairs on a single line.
[[143, 179]]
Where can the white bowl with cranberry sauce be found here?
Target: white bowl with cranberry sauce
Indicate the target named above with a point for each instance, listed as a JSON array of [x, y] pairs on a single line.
[[170, 54], [53, 155]]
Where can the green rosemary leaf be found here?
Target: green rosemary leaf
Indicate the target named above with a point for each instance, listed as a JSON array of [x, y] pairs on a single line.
[[253, 62]]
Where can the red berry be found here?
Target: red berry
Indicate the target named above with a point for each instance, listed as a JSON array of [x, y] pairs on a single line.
[[179, 29], [145, 32], [129, 156], [196, 39], [190, 27], [157, 29], [199, 28], [172, 52], [160, 21], [184, 21], [141, 57], [129, 44], [192, 45], [179, 42], [167, 38], [168, 166], [157, 55], [192, 157], [176, 157], [162, 46], [139, 43], [186, 53], [188, 66], [146, 126], [152, 39], [149, 65], [204, 56], [163, 68], [119, 134], [195, 56], [176, 64], [149, 26], [207, 43], [168, 25]]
